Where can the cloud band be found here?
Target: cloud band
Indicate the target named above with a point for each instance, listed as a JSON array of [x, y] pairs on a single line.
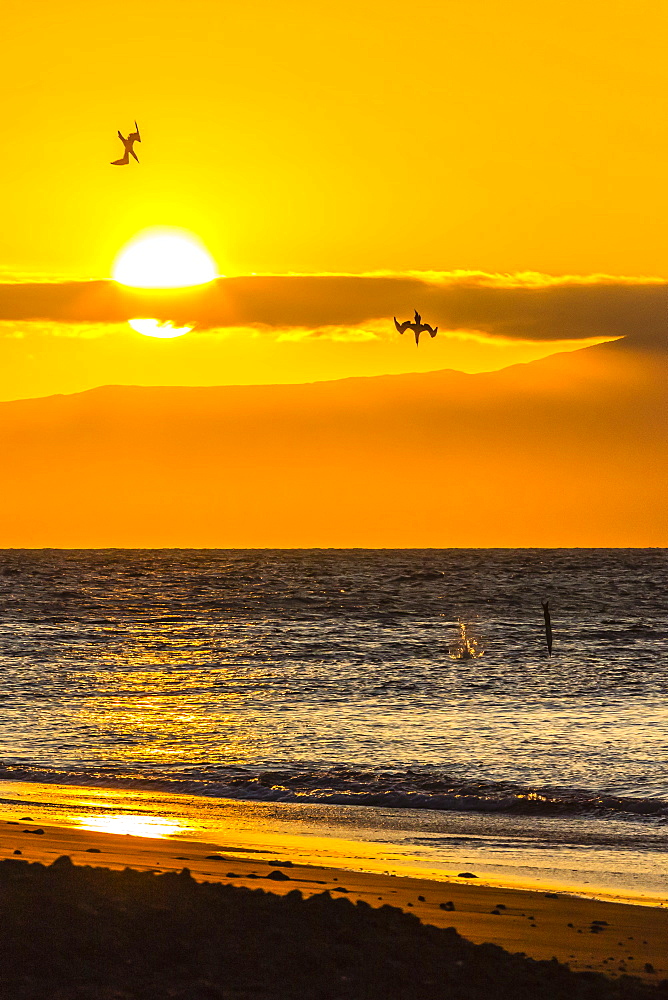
[[535, 307]]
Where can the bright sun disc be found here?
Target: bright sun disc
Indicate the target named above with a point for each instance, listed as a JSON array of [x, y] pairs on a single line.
[[164, 259], [154, 328]]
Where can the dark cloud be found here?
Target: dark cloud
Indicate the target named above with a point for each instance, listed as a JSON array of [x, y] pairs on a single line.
[[522, 307]]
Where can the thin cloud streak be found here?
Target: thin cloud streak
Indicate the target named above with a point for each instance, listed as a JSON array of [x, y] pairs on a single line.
[[521, 307], [377, 330], [340, 334]]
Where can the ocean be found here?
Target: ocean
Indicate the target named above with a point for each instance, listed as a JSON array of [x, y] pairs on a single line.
[[321, 689]]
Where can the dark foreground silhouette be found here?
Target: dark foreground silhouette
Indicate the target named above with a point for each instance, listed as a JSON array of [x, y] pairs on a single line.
[[128, 145], [75, 932], [417, 326]]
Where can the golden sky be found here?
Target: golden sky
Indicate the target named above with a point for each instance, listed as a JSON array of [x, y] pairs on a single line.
[[347, 137]]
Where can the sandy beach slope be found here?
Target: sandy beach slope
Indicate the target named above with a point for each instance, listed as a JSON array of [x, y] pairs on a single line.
[[614, 938]]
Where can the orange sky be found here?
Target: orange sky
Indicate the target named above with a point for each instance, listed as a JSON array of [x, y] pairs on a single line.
[[567, 451], [500, 167]]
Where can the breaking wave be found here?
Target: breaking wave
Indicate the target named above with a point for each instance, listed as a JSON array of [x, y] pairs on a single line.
[[411, 789]]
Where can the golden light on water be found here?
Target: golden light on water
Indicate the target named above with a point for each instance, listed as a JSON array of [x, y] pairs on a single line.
[[135, 694], [164, 258], [154, 328], [132, 825]]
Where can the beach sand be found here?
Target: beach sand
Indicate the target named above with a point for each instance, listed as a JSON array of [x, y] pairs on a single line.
[[607, 937]]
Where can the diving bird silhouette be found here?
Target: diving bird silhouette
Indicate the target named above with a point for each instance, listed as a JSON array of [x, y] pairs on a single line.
[[417, 326], [128, 144]]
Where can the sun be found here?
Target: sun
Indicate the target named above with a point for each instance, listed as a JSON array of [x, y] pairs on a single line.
[[165, 258], [154, 328]]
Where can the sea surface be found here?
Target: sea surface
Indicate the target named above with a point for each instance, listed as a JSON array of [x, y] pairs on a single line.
[[324, 686]]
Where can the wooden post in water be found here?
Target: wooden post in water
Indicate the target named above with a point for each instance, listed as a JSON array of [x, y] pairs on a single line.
[[548, 626]]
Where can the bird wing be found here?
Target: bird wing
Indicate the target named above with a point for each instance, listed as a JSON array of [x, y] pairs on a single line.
[[121, 162], [120, 136], [425, 328], [132, 152], [402, 327]]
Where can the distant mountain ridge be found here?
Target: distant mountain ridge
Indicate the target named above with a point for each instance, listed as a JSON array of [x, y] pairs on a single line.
[[570, 450]]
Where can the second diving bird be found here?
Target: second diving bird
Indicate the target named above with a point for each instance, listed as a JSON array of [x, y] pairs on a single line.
[[128, 145], [417, 326]]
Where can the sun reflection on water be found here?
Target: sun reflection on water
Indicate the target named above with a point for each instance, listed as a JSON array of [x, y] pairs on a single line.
[[132, 825]]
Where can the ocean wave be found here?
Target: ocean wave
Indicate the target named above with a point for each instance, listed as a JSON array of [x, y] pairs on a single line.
[[343, 786]]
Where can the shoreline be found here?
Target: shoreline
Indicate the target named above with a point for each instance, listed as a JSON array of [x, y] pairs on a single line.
[[502, 850], [607, 936]]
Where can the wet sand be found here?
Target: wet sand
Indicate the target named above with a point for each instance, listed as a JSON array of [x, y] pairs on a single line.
[[590, 935]]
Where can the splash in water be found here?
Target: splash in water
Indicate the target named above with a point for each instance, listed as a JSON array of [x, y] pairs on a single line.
[[469, 645]]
